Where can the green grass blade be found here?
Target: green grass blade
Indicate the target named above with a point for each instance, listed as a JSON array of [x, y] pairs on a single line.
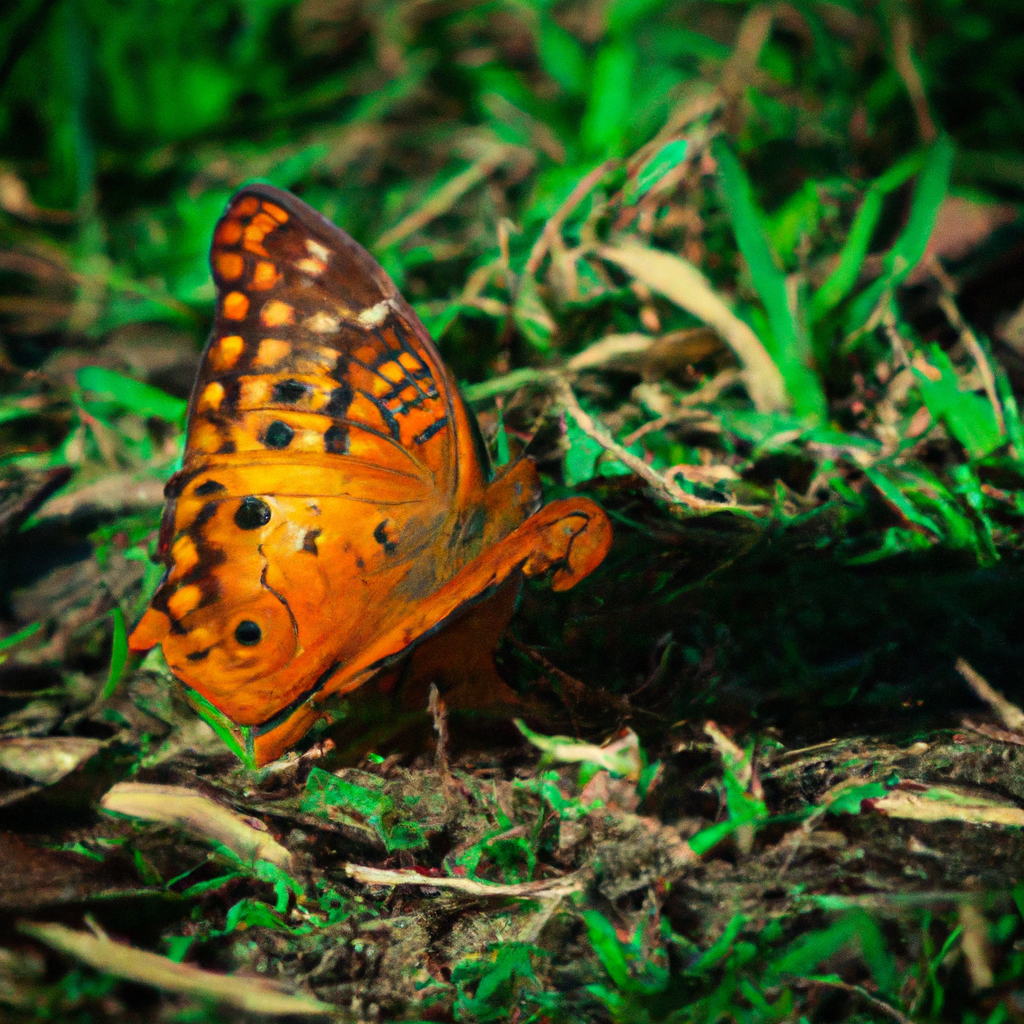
[[118, 654], [910, 246], [837, 285], [790, 350], [900, 501], [23, 634], [142, 399], [608, 110]]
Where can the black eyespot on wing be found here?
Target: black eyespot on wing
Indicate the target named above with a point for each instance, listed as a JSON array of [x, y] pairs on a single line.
[[380, 535], [247, 633], [309, 541], [336, 440], [278, 435], [209, 487], [289, 391], [252, 513], [340, 400]]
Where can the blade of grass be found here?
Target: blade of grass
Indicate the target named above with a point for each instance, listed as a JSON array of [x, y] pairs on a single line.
[[682, 283], [837, 285], [140, 398], [118, 654], [792, 351], [910, 246]]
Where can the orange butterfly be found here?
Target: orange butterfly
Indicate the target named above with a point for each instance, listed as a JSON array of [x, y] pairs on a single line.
[[334, 510]]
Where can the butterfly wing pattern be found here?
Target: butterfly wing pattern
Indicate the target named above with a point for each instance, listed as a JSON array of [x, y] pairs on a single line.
[[334, 508]]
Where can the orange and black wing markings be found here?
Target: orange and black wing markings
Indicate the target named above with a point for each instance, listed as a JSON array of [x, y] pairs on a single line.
[[313, 350]]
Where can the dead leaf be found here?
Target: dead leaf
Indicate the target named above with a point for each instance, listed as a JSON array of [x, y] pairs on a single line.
[[682, 283], [127, 962], [620, 756], [945, 803], [198, 814], [48, 759]]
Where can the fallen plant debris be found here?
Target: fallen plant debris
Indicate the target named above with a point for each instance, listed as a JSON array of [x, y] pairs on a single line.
[[122, 961], [200, 815]]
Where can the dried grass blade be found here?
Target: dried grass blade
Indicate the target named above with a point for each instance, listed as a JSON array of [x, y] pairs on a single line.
[[553, 888], [179, 805], [131, 964], [682, 283]]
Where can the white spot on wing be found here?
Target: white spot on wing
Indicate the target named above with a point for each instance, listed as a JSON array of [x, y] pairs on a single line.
[[322, 323], [310, 266], [374, 316], [321, 252]]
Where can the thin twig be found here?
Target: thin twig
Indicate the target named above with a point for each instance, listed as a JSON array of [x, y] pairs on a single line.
[[666, 489], [707, 392], [879, 1004], [553, 227], [1009, 714], [445, 197], [553, 888], [999, 735], [947, 303], [903, 61], [439, 713]]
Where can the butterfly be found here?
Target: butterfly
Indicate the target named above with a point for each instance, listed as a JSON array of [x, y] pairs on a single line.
[[336, 515]]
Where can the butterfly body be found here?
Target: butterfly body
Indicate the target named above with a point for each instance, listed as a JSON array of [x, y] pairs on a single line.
[[333, 509]]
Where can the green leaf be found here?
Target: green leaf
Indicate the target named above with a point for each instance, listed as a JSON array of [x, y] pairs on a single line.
[[118, 654], [622, 15], [250, 913], [968, 417], [581, 458], [562, 56], [142, 399], [789, 344], [807, 953], [670, 156], [329, 796], [531, 316], [602, 937], [503, 454], [849, 801]]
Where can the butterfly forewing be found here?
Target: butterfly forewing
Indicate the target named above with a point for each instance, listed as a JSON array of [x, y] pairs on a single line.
[[314, 353]]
